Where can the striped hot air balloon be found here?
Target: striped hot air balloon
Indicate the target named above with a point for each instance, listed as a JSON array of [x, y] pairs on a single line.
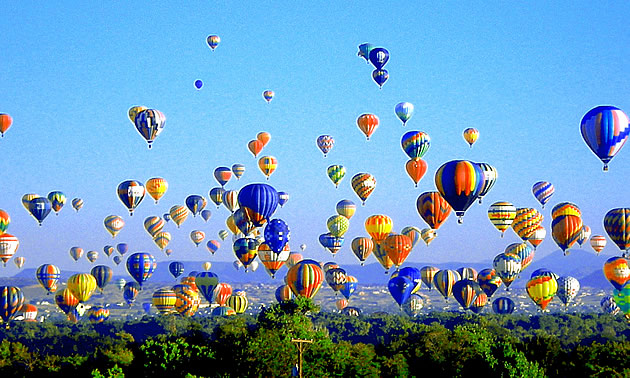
[[363, 185], [164, 300], [501, 215], [598, 243], [617, 226], [605, 130], [543, 191], [325, 143], [433, 209], [48, 276], [460, 182], [8, 246], [526, 222], [305, 278], [379, 227], [156, 187], [267, 165], [82, 286]]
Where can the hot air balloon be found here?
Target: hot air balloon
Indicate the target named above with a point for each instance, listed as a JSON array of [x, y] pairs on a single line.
[[230, 200], [413, 274], [283, 197], [238, 170], [272, 261], [156, 187], [259, 202], [178, 214], [108, 250], [238, 303], [294, 258], [336, 173], [471, 135], [502, 215], [362, 247], [11, 301], [379, 227], [363, 185], [543, 191], [113, 224], [489, 281], [537, 237], [367, 123], [565, 208], [337, 225], [331, 242], [239, 223], [416, 168], [57, 200], [176, 268], [598, 243], [39, 208], [277, 234], [197, 237], [617, 271], [268, 95], [216, 195], [150, 123], [5, 122], [305, 278], [428, 235], [195, 203], [490, 175], [433, 209], [284, 293], [65, 300], [153, 225], [213, 246], [19, 261], [246, 250], [117, 260], [122, 248], [206, 266], [349, 287], [568, 288], [213, 41], [222, 292], [91, 256], [131, 193], [267, 165], [206, 214], [222, 175], [325, 143], [207, 282], [460, 183], [48, 276], [103, 274], [120, 283], [133, 112], [566, 230], [508, 267], [341, 303], [364, 51], [404, 111], [380, 77], [605, 129], [140, 266], [585, 234], [415, 144], [379, 57], [29, 312], [397, 248], [465, 291], [541, 290], [76, 253], [162, 239], [335, 278], [255, 147], [82, 285], [467, 273], [427, 273], [164, 301], [77, 204], [400, 287], [186, 300], [444, 280], [198, 84], [8, 246], [97, 314], [503, 305], [526, 221], [346, 208], [617, 226], [523, 251]]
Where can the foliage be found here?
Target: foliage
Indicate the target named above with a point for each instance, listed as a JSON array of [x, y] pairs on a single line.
[[379, 345]]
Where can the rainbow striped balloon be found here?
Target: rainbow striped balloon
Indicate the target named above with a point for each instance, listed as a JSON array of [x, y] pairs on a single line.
[[617, 226], [501, 215], [415, 143], [543, 190], [460, 182], [363, 185], [305, 278]]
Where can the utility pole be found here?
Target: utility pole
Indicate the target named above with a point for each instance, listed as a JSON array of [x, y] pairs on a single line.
[[300, 345]]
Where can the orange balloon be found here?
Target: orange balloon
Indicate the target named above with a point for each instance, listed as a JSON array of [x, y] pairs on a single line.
[[264, 137], [416, 168], [367, 123], [267, 165], [433, 209], [397, 248], [255, 146], [5, 123], [379, 227]]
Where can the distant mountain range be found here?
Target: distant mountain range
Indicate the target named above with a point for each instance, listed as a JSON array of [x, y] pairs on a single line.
[[583, 265]]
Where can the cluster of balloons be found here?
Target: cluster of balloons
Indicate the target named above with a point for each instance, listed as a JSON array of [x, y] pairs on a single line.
[[379, 57]]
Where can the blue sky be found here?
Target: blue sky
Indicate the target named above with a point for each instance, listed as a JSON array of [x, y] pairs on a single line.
[[523, 74]]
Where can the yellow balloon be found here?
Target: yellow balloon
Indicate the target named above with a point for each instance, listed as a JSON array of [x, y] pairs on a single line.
[[82, 285]]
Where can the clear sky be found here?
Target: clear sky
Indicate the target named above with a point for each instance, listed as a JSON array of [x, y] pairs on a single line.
[[523, 74]]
